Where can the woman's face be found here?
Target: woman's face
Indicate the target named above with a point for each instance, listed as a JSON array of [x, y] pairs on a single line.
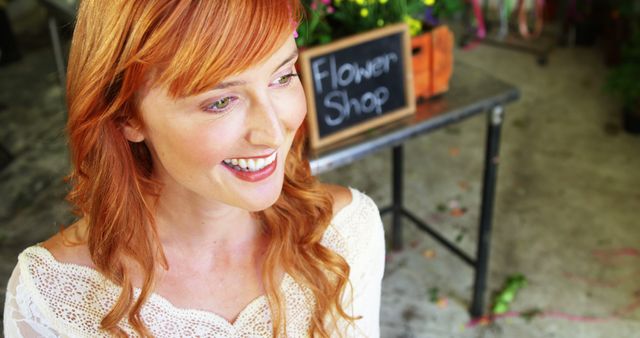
[[228, 144]]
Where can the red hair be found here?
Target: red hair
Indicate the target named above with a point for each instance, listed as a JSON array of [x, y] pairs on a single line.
[[120, 47]]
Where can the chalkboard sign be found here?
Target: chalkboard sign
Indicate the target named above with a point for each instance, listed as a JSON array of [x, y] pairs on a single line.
[[357, 83]]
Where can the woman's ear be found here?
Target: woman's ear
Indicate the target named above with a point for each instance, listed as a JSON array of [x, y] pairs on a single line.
[[132, 130]]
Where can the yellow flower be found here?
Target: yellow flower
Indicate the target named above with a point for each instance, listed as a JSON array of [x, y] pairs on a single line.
[[382, 2], [429, 2], [364, 12], [415, 26], [360, 2]]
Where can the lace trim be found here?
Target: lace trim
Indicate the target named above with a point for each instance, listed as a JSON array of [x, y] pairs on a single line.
[[38, 251], [73, 298]]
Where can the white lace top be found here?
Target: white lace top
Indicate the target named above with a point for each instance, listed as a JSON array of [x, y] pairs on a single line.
[[46, 298]]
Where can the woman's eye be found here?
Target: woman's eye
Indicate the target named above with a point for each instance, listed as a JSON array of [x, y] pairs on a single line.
[[221, 105], [284, 80]]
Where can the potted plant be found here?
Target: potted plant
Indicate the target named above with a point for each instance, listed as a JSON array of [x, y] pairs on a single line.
[[432, 43], [623, 79], [433, 48]]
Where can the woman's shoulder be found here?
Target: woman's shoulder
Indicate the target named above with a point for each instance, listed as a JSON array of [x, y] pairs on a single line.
[[349, 203], [356, 227], [61, 256], [341, 196], [53, 283], [60, 260], [70, 246]]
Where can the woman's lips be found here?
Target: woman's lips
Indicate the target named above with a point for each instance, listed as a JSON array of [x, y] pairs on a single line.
[[245, 174]]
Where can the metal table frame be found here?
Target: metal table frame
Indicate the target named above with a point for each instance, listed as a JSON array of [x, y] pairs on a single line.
[[443, 113], [58, 10]]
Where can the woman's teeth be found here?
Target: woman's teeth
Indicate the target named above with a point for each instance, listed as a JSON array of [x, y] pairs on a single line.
[[250, 164]]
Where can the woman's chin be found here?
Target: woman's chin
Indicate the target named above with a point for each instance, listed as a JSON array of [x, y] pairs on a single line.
[[262, 203], [261, 199]]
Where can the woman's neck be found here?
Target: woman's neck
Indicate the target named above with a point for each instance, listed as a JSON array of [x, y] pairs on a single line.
[[189, 226]]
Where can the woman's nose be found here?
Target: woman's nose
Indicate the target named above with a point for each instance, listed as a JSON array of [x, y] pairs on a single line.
[[265, 127]]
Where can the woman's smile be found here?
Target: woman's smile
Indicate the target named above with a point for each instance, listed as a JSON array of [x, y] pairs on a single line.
[[252, 169]]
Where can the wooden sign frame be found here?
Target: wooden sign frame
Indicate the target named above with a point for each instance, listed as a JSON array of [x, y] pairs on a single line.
[[307, 82]]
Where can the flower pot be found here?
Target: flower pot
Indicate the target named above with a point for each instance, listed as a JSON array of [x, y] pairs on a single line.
[[432, 61]]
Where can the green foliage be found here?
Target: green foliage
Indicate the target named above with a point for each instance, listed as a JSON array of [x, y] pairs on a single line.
[[626, 8], [503, 299], [327, 20], [314, 28], [624, 79], [448, 8]]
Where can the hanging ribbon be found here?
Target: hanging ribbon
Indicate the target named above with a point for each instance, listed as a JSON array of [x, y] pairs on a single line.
[[481, 30], [523, 25], [504, 9]]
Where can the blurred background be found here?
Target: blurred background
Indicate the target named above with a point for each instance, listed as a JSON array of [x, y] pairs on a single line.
[[565, 251]]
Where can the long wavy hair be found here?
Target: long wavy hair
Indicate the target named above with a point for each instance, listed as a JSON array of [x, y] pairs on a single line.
[[121, 46]]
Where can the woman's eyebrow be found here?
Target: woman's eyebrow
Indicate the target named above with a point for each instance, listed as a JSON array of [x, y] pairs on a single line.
[[228, 84], [291, 57]]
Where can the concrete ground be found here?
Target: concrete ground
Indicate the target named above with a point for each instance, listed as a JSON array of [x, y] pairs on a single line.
[[565, 216]]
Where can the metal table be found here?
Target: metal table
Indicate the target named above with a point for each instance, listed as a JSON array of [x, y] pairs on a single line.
[[472, 92], [65, 12]]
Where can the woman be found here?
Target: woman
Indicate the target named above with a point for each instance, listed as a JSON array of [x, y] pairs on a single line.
[[198, 215]]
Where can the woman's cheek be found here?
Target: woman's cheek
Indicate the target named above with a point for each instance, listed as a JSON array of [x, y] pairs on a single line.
[[206, 146], [297, 110]]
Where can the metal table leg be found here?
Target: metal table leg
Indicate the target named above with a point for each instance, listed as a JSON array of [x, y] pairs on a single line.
[[481, 262], [495, 117], [57, 50], [397, 206]]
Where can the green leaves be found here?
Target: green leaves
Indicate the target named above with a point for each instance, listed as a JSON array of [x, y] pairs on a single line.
[[326, 21], [314, 28], [508, 293], [623, 79]]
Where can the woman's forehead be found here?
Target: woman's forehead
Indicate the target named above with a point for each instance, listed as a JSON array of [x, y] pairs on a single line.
[[286, 53], [193, 78]]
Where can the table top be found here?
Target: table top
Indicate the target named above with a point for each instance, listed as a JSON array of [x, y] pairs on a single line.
[[471, 91]]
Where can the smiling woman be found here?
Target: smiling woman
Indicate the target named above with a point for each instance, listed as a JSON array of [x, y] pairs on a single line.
[[197, 211], [251, 117]]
